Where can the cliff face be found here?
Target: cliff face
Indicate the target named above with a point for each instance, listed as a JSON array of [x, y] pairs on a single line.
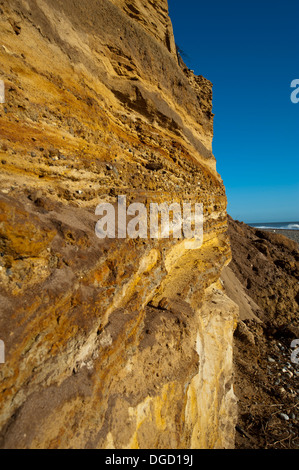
[[109, 343]]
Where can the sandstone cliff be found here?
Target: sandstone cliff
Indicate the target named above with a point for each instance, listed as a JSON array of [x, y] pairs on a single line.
[[114, 343]]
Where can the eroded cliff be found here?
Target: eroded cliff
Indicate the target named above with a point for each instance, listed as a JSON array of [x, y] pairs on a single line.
[[108, 343]]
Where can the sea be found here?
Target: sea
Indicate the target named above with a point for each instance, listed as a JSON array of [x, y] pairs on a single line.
[[277, 225]]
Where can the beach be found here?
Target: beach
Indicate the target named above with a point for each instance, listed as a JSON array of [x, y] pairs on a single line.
[[292, 234]]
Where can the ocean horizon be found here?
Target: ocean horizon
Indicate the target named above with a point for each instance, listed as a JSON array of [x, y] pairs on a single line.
[[276, 225]]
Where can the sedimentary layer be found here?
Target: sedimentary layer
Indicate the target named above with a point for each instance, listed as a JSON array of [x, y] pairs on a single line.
[[115, 343]]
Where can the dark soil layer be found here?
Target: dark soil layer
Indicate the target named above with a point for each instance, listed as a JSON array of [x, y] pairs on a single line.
[[266, 364]]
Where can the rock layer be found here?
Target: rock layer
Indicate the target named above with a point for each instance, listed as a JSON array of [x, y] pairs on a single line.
[[109, 343]]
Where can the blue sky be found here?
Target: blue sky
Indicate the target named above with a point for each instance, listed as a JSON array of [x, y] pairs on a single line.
[[250, 52]]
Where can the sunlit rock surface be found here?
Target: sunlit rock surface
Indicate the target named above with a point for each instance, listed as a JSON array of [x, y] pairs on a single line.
[[109, 343]]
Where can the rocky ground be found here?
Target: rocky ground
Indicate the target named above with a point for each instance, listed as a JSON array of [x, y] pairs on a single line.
[[266, 378], [292, 234]]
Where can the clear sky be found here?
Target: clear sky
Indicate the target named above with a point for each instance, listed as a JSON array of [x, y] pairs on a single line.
[[249, 50]]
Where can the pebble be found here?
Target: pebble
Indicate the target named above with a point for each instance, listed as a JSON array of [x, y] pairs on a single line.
[[284, 416], [270, 359], [288, 372]]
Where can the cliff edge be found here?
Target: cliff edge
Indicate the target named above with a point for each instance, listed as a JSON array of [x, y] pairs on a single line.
[[116, 343]]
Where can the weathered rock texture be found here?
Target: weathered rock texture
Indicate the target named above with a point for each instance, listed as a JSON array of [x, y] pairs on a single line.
[[115, 343]]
